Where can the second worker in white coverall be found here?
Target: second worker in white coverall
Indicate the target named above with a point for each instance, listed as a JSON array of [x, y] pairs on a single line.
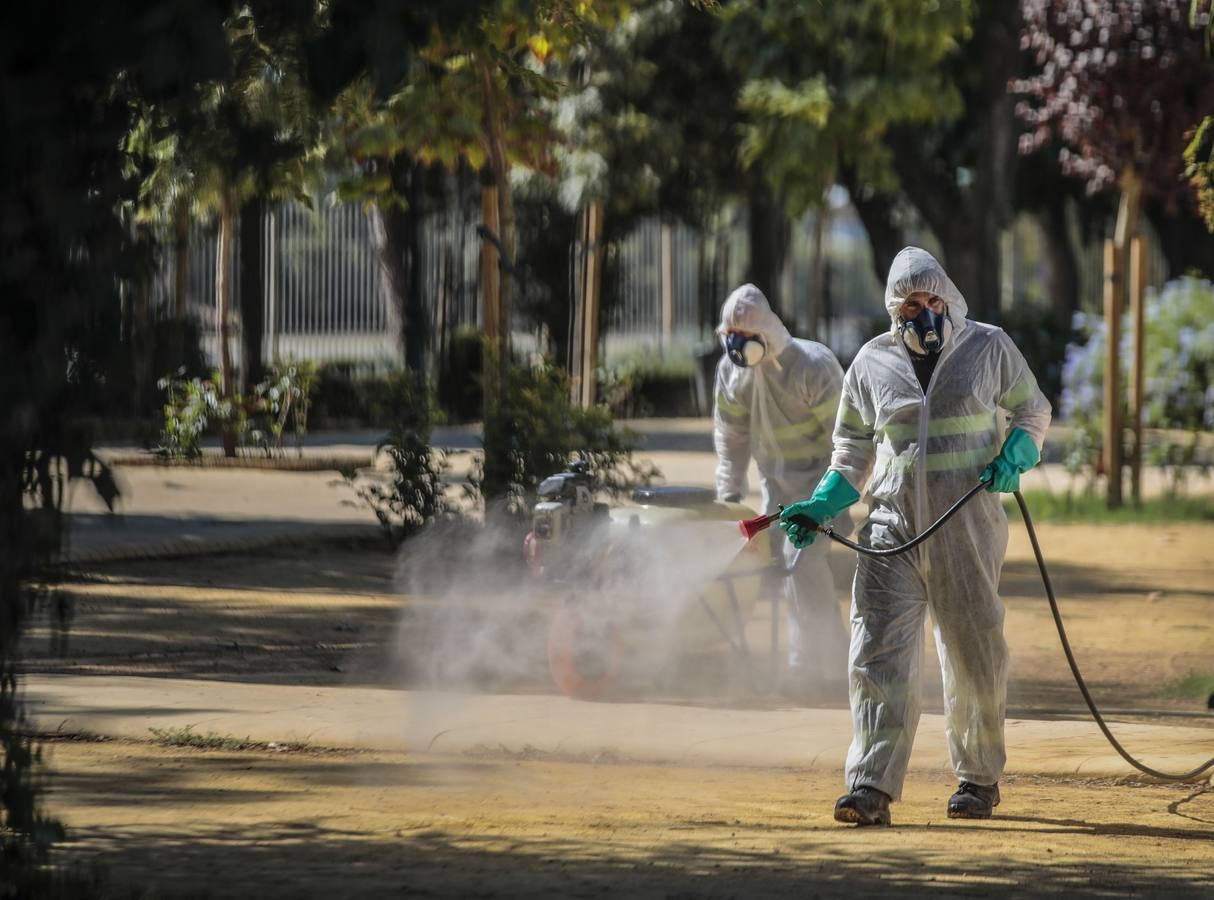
[[775, 400]]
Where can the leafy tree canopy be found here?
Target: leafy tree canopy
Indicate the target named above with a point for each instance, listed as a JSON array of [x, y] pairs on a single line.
[[476, 81], [823, 82]]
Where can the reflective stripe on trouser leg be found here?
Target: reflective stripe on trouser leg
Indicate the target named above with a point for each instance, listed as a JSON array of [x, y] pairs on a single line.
[[817, 640], [888, 608]]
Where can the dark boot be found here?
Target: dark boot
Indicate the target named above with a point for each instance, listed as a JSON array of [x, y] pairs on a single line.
[[863, 806], [973, 801]]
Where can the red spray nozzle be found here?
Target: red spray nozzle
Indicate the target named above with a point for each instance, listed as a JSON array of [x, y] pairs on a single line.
[[751, 527]]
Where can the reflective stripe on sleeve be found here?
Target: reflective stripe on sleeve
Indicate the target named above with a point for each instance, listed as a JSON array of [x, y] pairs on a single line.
[[730, 407], [1020, 393]]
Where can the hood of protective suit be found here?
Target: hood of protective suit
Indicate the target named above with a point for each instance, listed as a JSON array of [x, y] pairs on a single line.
[[746, 309], [914, 269]]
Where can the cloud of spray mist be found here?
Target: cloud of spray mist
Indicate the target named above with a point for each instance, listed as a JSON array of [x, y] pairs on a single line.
[[475, 619]]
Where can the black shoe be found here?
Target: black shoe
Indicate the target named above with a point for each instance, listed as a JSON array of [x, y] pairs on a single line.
[[863, 806], [973, 801]]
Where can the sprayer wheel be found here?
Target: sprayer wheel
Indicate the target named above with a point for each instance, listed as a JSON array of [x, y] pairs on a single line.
[[583, 655]]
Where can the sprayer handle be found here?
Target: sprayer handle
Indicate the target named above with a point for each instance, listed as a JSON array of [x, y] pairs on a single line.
[[802, 520]]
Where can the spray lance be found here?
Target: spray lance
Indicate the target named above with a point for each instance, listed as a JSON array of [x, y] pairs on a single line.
[[751, 527]]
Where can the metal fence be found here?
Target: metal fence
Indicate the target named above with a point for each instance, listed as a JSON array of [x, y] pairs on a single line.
[[324, 299]]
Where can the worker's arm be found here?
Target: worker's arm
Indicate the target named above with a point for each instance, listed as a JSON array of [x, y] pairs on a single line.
[[823, 388], [851, 462], [730, 434], [854, 450], [1020, 396], [1030, 417]]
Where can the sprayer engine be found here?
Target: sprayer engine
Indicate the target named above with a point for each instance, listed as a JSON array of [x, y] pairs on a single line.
[[564, 514]]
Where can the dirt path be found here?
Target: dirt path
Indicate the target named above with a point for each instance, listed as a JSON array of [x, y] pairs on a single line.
[[1137, 602], [261, 824]]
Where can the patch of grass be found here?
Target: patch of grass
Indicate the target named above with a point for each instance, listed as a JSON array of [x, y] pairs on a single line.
[[1045, 506], [71, 737], [188, 737], [1194, 686]]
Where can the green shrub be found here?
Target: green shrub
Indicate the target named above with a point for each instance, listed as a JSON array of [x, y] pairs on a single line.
[[285, 395], [535, 430], [416, 492], [191, 407]]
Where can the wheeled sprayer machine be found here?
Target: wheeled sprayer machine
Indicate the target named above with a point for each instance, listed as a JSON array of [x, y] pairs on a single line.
[[615, 618]]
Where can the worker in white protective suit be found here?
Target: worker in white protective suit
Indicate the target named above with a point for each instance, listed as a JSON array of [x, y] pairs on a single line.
[[775, 399], [923, 412]]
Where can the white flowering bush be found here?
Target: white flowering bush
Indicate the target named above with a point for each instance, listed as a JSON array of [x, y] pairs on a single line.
[[191, 405], [285, 394], [1178, 377]]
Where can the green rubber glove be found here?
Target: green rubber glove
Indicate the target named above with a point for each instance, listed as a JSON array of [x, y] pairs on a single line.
[[1019, 454], [832, 495]]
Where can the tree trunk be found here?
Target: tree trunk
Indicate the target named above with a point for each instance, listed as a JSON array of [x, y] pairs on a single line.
[[1117, 258], [141, 336], [768, 232], [416, 326], [252, 290], [223, 310], [387, 232], [495, 133], [396, 235], [181, 263]]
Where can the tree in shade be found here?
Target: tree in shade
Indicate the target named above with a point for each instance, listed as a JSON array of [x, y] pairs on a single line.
[[241, 139], [457, 84], [70, 76]]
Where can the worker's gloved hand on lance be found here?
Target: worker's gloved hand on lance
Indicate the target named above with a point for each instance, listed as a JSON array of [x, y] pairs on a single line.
[[832, 495], [1019, 454]]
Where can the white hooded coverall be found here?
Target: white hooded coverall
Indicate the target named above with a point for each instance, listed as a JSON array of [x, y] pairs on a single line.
[[923, 452], [781, 412]]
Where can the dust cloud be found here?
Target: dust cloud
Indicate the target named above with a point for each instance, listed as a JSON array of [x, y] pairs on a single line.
[[621, 611]]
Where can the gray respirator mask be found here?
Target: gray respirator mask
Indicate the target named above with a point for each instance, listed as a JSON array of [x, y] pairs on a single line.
[[744, 351], [927, 333]]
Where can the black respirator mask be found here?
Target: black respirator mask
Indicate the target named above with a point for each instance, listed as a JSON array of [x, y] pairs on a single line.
[[927, 332], [744, 351]]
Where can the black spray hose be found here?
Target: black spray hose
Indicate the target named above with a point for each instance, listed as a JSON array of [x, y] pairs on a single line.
[[1070, 658], [913, 542], [1049, 590]]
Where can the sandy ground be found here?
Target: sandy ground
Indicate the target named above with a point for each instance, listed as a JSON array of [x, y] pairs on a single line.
[[261, 824], [255, 823], [1136, 603]]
